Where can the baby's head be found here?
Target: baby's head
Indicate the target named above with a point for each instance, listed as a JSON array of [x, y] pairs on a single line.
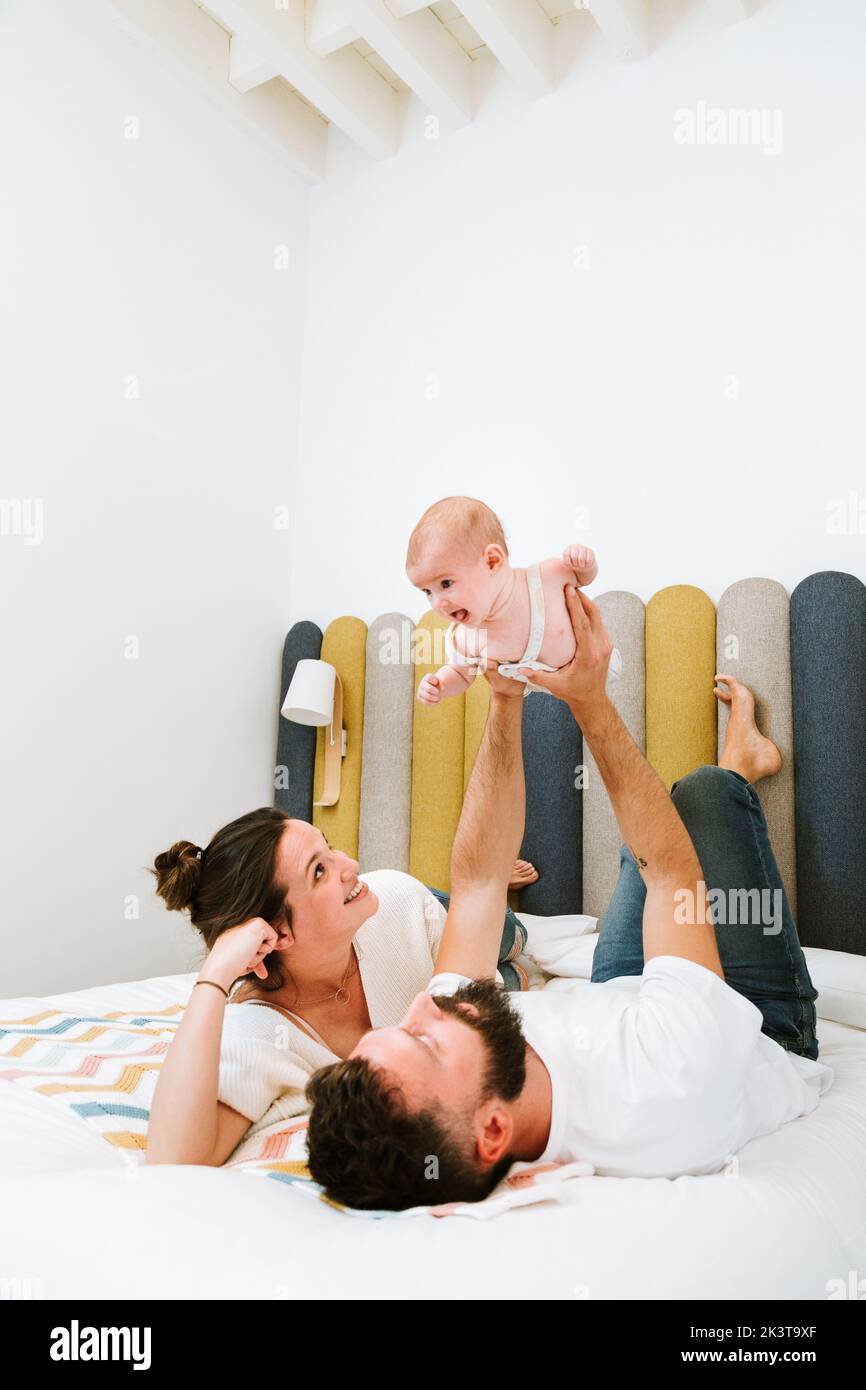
[[457, 556]]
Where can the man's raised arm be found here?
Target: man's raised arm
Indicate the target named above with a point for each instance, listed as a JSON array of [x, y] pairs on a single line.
[[487, 840], [648, 820]]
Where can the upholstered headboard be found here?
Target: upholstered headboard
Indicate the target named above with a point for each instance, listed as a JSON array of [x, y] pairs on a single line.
[[407, 765]]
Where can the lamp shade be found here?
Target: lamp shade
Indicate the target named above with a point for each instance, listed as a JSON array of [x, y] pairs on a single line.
[[310, 697]]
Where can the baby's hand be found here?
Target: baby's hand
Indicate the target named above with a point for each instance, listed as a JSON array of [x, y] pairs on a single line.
[[430, 690], [582, 561]]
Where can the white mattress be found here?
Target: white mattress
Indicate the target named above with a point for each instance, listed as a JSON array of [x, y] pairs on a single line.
[[75, 1216]]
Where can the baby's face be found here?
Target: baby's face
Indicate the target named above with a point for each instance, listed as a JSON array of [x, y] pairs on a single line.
[[459, 588]]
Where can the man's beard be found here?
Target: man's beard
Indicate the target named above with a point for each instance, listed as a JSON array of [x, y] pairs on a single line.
[[499, 1029]]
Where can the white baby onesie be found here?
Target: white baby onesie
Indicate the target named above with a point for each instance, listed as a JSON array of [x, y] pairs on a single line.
[[454, 657]]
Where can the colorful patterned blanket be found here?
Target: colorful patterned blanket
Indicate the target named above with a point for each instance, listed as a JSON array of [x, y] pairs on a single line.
[[102, 1068]]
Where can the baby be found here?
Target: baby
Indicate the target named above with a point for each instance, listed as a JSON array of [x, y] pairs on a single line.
[[458, 557]]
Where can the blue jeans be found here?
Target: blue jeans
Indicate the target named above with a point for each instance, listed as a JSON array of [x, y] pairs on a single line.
[[513, 942], [761, 957]]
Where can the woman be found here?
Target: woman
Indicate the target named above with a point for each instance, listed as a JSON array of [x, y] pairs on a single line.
[[322, 955]]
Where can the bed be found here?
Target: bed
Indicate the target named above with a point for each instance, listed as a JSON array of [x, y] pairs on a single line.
[[85, 1218], [82, 1216]]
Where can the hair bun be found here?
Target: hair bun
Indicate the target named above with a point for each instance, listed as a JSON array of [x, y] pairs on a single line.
[[177, 871]]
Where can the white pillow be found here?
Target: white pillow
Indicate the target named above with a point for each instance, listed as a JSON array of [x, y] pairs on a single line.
[[561, 945], [840, 979], [566, 924]]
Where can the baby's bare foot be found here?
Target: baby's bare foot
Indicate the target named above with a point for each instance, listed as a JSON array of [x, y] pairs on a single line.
[[522, 873], [746, 750]]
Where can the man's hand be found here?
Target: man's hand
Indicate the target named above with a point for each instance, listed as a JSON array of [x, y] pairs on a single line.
[[581, 683], [503, 685]]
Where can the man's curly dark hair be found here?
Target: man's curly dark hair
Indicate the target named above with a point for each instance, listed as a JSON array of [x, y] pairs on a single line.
[[369, 1152]]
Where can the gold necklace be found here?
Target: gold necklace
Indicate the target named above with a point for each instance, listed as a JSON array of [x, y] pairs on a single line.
[[311, 1003]]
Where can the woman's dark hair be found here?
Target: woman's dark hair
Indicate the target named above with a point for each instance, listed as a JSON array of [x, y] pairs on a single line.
[[229, 881]]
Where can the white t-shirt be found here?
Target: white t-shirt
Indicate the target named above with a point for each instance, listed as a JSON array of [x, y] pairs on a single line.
[[659, 1074]]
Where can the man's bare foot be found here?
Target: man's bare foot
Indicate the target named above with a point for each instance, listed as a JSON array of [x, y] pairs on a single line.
[[747, 750], [522, 873]]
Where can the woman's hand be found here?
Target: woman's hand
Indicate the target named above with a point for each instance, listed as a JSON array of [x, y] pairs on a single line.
[[188, 1122], [582, 681], [242, 949]]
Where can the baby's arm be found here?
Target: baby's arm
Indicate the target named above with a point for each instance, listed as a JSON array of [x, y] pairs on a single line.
[[582, 560], [447, 681], [456, 676]]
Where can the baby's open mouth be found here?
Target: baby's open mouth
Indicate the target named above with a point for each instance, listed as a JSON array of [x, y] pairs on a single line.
[[460, 615]]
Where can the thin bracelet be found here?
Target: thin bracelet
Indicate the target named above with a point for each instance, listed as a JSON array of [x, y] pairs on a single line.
[[215, 985]]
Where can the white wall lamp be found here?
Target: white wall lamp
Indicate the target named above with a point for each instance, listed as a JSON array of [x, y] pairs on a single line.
[[315, 697]]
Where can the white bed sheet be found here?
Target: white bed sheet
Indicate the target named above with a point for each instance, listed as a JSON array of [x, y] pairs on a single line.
[[789, 1224]]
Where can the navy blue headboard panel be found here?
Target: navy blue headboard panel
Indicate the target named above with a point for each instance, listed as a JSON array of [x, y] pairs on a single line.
[[828, 676], [296, 743]]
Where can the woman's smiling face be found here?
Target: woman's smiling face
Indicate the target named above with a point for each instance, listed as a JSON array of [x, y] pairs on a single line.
[[328, 901]]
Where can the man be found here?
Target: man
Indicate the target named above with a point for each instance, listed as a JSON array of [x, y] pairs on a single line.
[[690, 1040]]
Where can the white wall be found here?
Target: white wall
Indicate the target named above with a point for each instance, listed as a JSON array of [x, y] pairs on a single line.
[[602, 387], [559, 388], [151, 257]]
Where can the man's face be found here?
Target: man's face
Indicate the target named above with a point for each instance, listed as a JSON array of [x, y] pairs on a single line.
[[463, 1055]]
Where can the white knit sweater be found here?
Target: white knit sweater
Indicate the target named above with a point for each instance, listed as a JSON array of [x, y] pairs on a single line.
[[266, 1060]]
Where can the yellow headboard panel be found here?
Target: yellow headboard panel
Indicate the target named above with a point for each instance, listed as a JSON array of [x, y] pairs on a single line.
[[438, 757], [681, 714]]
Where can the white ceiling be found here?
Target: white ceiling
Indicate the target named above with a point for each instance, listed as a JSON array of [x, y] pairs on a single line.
[[288, 68]]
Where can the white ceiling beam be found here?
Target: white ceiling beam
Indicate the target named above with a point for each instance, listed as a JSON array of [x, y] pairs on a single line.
[[399, 8], [422, 52], [343, 87], [624, 23], [731, 11], [327, 27], [246, 68], [196, 47], [520, 36]]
